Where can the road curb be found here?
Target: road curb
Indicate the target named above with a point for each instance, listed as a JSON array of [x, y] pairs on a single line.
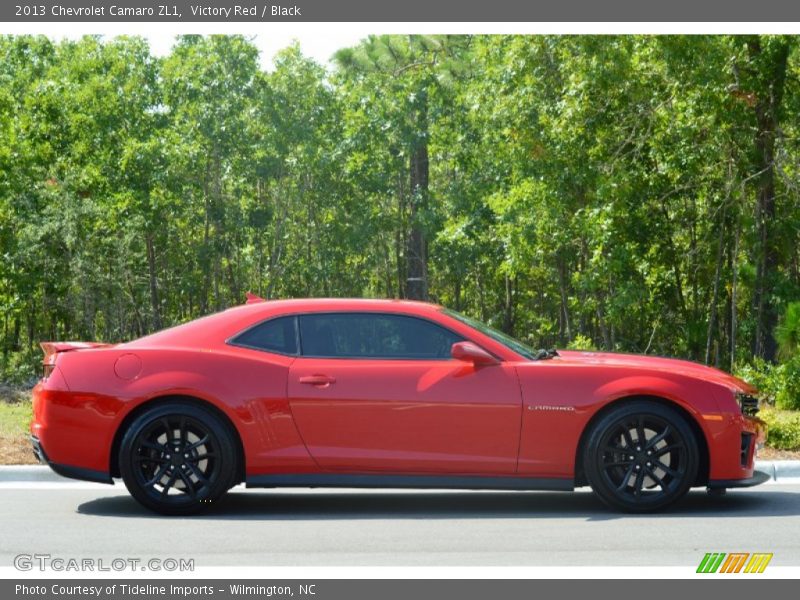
[[9, 473], [779, 470]]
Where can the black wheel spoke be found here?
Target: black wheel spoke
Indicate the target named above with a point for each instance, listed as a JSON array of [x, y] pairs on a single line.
[[617, 463], [652, 474], [182, 427], [617, 449], [197, 473], [640, 437], [153, 446], [651, 443], [625, 479], [203, 456], [628, 439], [637, 488], [170, 483], [153, 459], [169, 430], [668, 448], [187, 481], [671, 472], [157, 477], [202, 441]]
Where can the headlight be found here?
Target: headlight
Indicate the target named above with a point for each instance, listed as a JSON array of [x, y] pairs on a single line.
[[748, 404]]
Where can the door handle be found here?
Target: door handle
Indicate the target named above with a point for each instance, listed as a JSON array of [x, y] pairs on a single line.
[[317, 379]]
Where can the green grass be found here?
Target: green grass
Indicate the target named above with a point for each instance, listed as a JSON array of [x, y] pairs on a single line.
[[15, 418]]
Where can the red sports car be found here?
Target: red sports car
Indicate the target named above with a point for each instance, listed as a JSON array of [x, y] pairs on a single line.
[[382, 393]]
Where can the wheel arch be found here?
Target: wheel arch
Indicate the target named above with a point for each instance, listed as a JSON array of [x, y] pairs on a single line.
[[181, 398], [691, 420]]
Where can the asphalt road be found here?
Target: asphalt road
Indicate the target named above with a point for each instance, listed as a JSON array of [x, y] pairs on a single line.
[[323, 527]]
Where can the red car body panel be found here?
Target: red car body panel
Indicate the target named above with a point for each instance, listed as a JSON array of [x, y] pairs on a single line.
[[408, 416], [518, 418]]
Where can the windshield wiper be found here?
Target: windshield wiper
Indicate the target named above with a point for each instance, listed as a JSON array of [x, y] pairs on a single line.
[[545, 354]]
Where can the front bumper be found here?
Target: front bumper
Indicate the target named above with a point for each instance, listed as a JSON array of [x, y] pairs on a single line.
[[67, 470], [758, 478]]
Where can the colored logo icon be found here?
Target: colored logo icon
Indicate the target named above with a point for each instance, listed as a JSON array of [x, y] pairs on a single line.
[[734, 562]]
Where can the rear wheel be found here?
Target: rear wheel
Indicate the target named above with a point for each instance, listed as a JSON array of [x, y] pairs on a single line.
[[178, 458], [641, 456]]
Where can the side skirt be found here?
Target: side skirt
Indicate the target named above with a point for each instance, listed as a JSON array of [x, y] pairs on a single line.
[[409, 481]]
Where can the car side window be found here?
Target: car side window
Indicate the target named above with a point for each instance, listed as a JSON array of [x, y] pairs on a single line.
[[276, 335], [374, 335]]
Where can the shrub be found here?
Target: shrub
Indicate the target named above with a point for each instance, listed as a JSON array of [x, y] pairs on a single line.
[[20, 369], [787, 333], [779, 384], [784, 428], [581, 342]]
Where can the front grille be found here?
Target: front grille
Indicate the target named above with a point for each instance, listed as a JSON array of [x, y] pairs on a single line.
[[748, 404]]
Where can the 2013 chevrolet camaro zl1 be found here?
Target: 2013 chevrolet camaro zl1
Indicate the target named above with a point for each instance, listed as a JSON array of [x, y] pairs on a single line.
[[382, 393]]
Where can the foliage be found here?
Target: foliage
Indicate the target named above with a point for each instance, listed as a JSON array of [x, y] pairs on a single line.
[[779, 384], [783, 430], [628, 193], [581, 342], [788, 331]]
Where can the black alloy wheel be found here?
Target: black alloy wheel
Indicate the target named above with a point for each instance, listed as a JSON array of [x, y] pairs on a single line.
[[178, 458], [641, 456]]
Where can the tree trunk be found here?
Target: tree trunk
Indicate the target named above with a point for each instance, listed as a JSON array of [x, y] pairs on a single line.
[[205, 250], [734, 290], [712, 317], [416, 245], [508, 306], [767, 107], [562, 289], [151, 270]]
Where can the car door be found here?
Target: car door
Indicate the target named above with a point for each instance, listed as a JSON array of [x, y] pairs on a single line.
[[380, 392]]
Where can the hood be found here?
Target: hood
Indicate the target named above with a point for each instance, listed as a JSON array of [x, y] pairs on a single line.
[[655, 363]]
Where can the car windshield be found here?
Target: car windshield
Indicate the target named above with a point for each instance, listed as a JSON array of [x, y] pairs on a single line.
[[498, 336]]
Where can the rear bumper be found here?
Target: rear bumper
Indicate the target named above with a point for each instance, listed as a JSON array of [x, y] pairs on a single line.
[[68, 470], [758, 478]]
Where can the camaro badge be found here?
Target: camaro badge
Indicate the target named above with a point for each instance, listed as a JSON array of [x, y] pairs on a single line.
[[552, 408]]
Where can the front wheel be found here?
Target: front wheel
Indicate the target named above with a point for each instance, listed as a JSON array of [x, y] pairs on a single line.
[[641, 456], [178, 458]]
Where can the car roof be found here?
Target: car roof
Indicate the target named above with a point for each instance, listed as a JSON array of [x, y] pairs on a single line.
[[390, 304], [223, 324]]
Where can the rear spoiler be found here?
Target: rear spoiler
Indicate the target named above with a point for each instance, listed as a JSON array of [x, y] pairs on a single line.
[[50, 349], [253, 299]]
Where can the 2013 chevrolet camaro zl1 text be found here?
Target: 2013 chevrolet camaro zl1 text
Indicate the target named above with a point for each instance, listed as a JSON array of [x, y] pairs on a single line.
[[382, 393]]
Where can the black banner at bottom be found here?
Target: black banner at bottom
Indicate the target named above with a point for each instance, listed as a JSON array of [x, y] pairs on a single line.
[[384, 589]]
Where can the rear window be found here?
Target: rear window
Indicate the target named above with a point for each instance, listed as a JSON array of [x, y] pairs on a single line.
[[276, 335]]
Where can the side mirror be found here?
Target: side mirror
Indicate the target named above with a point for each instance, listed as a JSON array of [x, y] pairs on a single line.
[[469, 352]]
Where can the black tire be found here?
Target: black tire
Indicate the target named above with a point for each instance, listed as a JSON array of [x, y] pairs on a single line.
[[641, 456], [188, 480]]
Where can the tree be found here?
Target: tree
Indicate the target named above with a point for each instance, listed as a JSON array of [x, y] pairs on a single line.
[[411, 69]]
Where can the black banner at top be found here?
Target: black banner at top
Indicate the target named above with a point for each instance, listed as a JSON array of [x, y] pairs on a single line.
[[465, 11]]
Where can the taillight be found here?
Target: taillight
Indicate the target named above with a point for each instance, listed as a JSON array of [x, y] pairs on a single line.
[[47, 370], [54, 379]]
